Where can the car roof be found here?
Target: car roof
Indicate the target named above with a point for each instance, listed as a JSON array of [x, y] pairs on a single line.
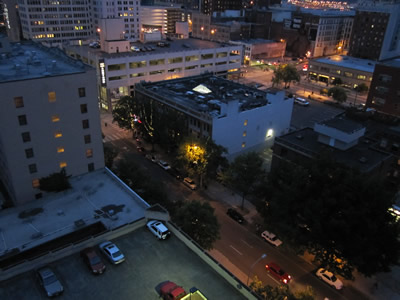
[[45, 272], [274, 265], [270, 234]]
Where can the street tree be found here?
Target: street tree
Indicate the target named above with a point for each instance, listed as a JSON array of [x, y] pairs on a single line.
[[338, 94], [290, 74], [124, 113], [334, 212], [110, 153], [278, 76], [245, 173], [337, 81], [361, 88], [197, 219]]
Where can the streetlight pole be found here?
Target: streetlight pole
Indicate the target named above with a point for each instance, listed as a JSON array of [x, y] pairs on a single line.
[[252, 266]]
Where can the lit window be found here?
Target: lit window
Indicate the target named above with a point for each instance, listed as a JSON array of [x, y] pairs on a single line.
[[52, 96], [243, 144], [245, 123], [89, 153], [55, 118], [58, 134], [63, 164], [244, 133], [60, 149], [19, 102], [35, 183]]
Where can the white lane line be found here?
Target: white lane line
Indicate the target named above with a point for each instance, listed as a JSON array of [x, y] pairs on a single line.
[[236, 250], [250, 246], [270, 276]]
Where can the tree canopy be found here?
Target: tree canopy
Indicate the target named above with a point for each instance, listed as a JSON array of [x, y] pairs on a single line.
[[361, 88], [285, 73], [197, 219], [338, 94], [55, 182], [110, 153], [336, 213]]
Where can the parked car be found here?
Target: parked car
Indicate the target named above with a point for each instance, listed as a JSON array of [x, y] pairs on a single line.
[[151, 157], [141, 149], [175, 173], [112, 252], [278, 272], [158, 229], [235, 215], [164, 165], [271, 238], [301, 101], [93, 261], [189, 183], [329, 278], [49, 281]]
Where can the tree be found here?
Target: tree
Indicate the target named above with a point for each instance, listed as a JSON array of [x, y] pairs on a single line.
[[336, 213], [290, 74], [124, 113], [278, 76], [197, 219], [338, 94], [361, 88], [245, 173], [337, 81], [55, 182], [110, 153]]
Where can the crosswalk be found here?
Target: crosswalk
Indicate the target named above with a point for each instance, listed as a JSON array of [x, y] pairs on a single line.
[[114, 137]]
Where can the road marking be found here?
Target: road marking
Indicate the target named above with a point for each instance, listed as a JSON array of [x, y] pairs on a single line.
[[236, 250], [270, 276], [247, 243]]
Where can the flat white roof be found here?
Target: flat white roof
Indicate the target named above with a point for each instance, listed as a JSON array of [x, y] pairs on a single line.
[[365, 65]]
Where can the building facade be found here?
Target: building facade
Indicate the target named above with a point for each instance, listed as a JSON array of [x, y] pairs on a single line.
[[376, 31], [384, 94], [49, 119], [235, 116], [352, 71], [259, 49], [119, 72]]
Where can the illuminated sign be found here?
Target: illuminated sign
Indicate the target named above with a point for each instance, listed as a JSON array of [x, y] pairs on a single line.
[[102, 66], [305, 68]]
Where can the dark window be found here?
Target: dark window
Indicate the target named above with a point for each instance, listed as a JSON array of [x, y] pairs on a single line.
[[83, 108], [19, 102], [85, 124], [29, 152], [38, 195], [22, 120], [82, 92], [32, 168], [87, 139], [90, 167], [26, 137]]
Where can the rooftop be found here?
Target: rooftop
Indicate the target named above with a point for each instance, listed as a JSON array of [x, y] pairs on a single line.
[[257, 41], [392, 63], [363, 156], [343, 124], [29, 60], [365, 65], [207, 94], [98, 193]]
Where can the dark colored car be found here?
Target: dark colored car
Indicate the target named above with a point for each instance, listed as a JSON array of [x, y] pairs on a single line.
[[175, 173], [235, 215], [49, 281], [93, 261], [278, 272]]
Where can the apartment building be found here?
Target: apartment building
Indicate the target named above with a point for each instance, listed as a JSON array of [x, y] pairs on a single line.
[[162, 17], [352, 71], [119, 72], [49, 118], [234, 115], [376, 30]]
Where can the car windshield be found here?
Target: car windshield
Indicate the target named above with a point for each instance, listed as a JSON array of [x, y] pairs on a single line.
[[95, 260], [274, 238], [281, 272], [116, 254], [49, 280], [333, 278]]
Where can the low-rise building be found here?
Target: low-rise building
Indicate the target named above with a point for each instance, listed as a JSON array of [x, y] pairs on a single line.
[[352, 71], [49, 118], [384, 94], [119, 72], [259, 49], [235, 116]]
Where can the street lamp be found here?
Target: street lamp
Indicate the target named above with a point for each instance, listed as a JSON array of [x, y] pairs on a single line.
[[252, 266]]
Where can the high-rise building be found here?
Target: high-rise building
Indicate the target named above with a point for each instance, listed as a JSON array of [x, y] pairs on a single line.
[[376, 30], [49, 118]]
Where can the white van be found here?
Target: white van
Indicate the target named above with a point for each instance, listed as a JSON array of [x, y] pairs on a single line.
[[301, 101], [158, 229]]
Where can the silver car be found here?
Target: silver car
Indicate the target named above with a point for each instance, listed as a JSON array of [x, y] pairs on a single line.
[[49, 282]]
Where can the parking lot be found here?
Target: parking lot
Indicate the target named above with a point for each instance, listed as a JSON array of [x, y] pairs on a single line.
[[148, 263]]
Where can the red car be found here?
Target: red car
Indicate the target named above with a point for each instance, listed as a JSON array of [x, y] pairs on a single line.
[[93, 261], [278, 272]]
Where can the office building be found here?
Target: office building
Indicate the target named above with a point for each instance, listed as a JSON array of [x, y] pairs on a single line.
[[49, 118]]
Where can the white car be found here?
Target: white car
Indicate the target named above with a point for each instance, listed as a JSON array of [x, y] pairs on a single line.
[[271, 238], [329, 278], [112, 252], [164, 165], [301, 101], [158, 229], [189, 183]]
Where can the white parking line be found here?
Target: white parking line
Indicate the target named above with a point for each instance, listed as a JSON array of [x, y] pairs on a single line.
[[247, 243], [236, 250]]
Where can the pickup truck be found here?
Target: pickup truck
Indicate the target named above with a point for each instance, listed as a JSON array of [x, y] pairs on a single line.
[[171, 291]]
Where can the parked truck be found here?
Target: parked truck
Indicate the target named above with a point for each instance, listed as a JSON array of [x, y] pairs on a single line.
[[171, 291]]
